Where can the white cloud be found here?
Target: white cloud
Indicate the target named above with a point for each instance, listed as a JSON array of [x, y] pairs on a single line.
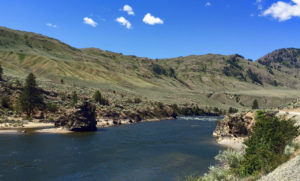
[[283, 11], [51, 25], [89, 21], [124, 22], [128, 9], [151, 20], [207, 4]]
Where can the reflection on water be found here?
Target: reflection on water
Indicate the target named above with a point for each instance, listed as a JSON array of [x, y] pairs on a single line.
[[158, 151]]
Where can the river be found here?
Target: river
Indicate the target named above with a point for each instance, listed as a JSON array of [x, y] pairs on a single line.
[[149, 151]]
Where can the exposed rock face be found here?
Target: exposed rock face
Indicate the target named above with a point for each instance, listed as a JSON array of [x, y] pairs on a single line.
[[289, 171], [237, 125], [82, 119]]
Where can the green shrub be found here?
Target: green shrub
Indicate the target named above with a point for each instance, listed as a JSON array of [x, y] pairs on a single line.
[[255, 104], [97, 96], [254, 77], [137, 100], [230, 158], [265, 147], [219, 173], [51, 107], [232, 110], [99, 99], [74, 98], [159, 70], [230, 161], [1, 72], [291, 148], [5, 102]]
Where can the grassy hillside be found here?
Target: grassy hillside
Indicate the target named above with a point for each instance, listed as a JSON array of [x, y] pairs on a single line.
[[208, 80]]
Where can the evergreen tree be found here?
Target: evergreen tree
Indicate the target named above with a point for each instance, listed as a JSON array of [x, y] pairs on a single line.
[[1, 72], [31, 97], [255, 104], [74, 98], [97, 97]]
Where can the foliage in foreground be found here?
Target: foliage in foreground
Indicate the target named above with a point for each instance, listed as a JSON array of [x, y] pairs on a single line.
[[229, 160], [269, 146], [266, 146]]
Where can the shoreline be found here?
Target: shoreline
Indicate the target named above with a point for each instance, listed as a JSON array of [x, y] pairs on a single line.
[[231, 142], [49, 128]]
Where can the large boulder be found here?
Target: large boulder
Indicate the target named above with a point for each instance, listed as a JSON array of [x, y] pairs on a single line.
[[236, 125], [82, 119]]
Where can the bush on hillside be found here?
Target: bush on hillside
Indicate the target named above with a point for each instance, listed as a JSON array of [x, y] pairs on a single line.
[[266, 146], [232, 110], [254, 77], [100, 99], [159, 70], [51, 107], [1, 72], [5, 102], [74, 98], [255, 104]]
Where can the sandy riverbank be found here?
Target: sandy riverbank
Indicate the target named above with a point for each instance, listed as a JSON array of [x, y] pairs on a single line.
[[32, 127], [37, 127], [231, 142]]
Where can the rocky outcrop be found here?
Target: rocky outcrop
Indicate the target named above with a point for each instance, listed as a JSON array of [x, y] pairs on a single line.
[[233, 129], [83, 118], [289, 171], [236, 125]]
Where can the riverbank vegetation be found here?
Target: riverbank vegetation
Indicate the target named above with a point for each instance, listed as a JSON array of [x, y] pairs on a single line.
[[29, 101], [270, 144]]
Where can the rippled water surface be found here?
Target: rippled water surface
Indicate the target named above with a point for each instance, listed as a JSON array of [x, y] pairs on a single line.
[[150, 151]]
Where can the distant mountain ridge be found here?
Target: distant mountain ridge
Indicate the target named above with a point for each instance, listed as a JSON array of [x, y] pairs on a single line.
[[288, 57], [22, 52]]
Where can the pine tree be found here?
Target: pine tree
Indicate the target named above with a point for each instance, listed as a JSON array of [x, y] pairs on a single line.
[[31, 97], [74, 98], [1, 72], [255, 104], [97, 97]]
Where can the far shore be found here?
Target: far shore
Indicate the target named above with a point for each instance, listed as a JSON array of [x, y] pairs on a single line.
[[39, 127]]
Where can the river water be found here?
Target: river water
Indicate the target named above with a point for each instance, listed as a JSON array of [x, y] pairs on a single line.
[[148, 151]]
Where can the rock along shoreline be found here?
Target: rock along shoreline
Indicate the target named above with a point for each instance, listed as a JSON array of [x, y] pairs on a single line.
[[39, 127]]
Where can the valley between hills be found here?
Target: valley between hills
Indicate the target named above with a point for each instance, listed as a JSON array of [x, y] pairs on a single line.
[[210, 80]]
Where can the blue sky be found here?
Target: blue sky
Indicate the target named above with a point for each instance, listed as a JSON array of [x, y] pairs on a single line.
[[162, 28]]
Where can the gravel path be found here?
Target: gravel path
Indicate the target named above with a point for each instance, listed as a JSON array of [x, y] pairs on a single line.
[[289, 171]]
